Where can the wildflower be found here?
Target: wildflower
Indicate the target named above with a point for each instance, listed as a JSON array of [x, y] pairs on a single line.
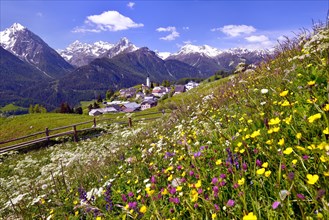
[[312, 179], [283, 194], [174, 200], [311, 83], [288, 151], [299, 136], [219, 162], [241, 181], [276, 204], [198, 184], [300, 196], [312, 118], [264, 91], [213, 216], [268, 173], [214, 180], [255, 134], [285, 103], [276, 129], [269, 142], [294, 162], [326, 108], [250, 216], [143, 209], [288, 120], [326, 131], [194, 195], [291, 176], [284, 93], [281, 142], [265, 165], [260, 171], [274, 121], [230, 203], [170, 178]]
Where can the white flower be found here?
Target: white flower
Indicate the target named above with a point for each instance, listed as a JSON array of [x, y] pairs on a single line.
[[264, 91]]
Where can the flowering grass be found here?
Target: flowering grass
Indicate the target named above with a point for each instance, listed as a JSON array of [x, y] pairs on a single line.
[[255, 147]]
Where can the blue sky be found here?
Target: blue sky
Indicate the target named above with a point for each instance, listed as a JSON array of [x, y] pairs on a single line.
[[164, 25]]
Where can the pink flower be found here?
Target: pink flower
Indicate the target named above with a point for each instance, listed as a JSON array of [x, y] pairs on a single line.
[[275, 204], [230, 203]]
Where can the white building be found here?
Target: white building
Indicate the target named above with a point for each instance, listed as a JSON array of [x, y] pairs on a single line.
[[191, 85]]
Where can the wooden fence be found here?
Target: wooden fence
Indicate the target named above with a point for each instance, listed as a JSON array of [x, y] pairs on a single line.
[[74, 131]]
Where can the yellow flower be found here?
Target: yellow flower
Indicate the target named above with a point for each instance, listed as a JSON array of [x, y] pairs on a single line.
[[75, 202], [164, 192], [194, 195], [76, 213], [170, 178], [265, 165], [136, 181], [326, 173], [139, 197], [218, 162], [288, 120], [323, 159], [51, 211], [276, 129], [143, 209], [326, 108], [268, 173], [255, 134], [294, 162], [250, 216], [269, 142], [312, 118], [183, 174], [284, 93], [311, 83], [198, 184], [179, 188], [312, 179], [241, 181], [213, 216], [288, 151], [285, 103], [274, 121], [300, 148], [312, 100], [326, 131], [260, 171], [242, 151], [239, 144], [249, 121], [270, 131], [281, 142], [299, 136]]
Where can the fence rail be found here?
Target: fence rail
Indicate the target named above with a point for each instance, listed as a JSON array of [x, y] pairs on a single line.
[[73, 132]]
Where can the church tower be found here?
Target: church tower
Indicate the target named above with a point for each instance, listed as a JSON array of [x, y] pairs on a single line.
[[148, 83]]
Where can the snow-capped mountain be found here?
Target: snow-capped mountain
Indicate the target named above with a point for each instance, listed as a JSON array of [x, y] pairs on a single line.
[[123, 46], [80, 54], [209, 59], [204, 50], [30, 48]]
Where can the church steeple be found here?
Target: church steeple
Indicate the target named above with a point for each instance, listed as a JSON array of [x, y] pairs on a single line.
[[148, 83]]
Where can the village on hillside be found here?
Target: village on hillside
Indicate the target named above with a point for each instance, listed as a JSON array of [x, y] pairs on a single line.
[[146, 98]]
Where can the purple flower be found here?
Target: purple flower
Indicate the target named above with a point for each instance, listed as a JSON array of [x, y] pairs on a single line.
[[108, 199], [153, 180], [222, 176], [214, 180], [259, 163], [132, 205], [215, 189], [283, 166], [244, 166], [196, 205], [291, 176], [216, 207], [320, 194], [222, 183], [124, 198], [172, 190], [197, 154], [191, 173], [200, 191], [82, 194], [235, 186], [276, 204], [300, 196], [230, 203], [305, 157], [174, 200], [179, 167], [131, 194]]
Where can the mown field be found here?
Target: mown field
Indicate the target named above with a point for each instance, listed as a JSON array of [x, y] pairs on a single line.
[[251, 146]]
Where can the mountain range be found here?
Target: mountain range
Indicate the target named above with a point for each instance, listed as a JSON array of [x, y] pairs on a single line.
[[33, 72]]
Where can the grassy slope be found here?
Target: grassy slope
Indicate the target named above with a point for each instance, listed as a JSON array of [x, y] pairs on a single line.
[[255, 145]]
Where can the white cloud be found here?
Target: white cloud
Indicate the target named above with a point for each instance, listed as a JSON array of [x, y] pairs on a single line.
[[107, 21], [235, 30], [186, 28], [187, 42], [172, 36], [131, 5], [255, 38], [39, 14]]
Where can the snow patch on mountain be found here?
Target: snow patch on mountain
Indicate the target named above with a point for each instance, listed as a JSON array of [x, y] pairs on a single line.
[[8, 36], [204, 50]]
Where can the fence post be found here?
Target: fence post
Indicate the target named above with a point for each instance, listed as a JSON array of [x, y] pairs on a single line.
[[130, 124], [47, 134], [94, 122], [75, 134]]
